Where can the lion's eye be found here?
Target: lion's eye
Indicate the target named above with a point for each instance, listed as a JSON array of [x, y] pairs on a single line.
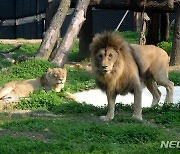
[[110, 55]]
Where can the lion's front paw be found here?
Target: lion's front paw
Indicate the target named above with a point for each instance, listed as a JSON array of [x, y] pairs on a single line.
[[105, 118], [139, 117]]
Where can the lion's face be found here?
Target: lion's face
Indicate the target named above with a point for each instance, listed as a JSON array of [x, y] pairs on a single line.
[[105, 60], [57, 75]]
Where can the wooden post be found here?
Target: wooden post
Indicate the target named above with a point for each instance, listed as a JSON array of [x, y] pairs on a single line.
[[86, 35], [137, 21], [164, 26], [175, 53], [65, 46], [52, 33], [153, 29]]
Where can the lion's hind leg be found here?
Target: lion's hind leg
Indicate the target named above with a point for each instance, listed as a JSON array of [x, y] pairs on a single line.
[[153, 88], [169, 92], [164, 81]]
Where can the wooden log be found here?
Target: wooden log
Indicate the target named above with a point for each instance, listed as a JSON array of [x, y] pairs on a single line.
[[133, 5], [52, 33], [65, 46], [11, 50], [175, 53]]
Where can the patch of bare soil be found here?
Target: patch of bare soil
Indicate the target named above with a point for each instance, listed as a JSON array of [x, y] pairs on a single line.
[[32, 135], [87, 66], [174, 68], [44, 135], [19, 41], [15, 114]]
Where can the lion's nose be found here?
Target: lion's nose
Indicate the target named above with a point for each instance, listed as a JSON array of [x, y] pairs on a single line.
[[104, 66]]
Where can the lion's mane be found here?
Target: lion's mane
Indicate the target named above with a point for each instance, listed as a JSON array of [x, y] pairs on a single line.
[[108, 39], [121, 79]]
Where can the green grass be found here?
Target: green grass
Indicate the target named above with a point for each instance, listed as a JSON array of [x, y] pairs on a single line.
[[85, 133], [25, 70], [28, 50], [130, 37], [75, 127]]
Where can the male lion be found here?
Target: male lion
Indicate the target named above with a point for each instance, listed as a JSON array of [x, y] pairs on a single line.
[[120, 68], [53, 79]]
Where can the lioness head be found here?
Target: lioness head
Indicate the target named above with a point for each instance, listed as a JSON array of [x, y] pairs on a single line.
[[56, 76]]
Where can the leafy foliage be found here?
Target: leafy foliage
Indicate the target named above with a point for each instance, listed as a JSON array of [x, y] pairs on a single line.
[[78, 79], [175, 77], [40, 99], [167, 46]]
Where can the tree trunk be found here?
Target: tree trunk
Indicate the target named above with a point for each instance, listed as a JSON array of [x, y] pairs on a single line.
[[86, 35], [52, 34], [65, 46], [164, 26], [153, 29], [51, 9], [175, 53]]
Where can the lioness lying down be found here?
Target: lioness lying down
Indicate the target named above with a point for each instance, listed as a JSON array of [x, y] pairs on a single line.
[[120, 68], [53, 79]]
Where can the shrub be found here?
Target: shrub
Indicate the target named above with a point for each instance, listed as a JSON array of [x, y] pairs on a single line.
[[175, 77], [167, 46]]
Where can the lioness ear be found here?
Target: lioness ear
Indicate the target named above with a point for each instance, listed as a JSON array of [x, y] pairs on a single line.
[[49, 70], [65, 70]]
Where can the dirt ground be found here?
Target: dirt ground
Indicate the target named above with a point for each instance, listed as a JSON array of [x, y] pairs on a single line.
[[174, 68], [19, 41]]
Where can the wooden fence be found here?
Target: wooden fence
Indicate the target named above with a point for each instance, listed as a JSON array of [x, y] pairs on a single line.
[[29, 18], [22, 18]]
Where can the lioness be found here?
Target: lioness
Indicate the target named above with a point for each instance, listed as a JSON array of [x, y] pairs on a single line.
[[120, 68], [53, 79]]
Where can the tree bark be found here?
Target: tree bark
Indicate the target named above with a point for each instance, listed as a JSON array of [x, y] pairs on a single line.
[[153, 29], [164, 26], [52, 34], [65, 46], [86, 35], [175, 53]]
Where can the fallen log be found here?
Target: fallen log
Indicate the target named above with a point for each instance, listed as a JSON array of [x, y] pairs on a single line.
[[11, 50]]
